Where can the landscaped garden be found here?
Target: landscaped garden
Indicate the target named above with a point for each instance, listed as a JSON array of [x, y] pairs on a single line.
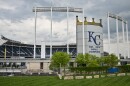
[[89, 71], [88, 66]]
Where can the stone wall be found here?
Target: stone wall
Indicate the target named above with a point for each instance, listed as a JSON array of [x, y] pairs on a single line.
[[95, 76]]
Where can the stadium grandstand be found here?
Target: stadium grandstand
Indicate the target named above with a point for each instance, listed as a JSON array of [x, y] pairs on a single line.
[[16, 49], [19, 56]]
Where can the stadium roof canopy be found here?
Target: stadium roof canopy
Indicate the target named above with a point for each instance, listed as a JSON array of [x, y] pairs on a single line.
[[10, 42], [2, 41]]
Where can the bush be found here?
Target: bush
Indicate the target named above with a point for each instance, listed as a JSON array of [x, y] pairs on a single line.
[[98, 70], [125, 68], [89, 69]]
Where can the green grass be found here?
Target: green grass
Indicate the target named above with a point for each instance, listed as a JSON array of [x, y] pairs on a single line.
[[54, 81]]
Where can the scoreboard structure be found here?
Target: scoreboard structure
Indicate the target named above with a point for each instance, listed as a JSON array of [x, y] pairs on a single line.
[[92, 38]]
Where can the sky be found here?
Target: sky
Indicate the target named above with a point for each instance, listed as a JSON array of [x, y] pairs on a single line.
[[17, 19]]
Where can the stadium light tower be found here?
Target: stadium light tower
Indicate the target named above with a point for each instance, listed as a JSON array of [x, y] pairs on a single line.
[[118, 18], [35, 33], [108, 24], [55, 9], [127, 35]]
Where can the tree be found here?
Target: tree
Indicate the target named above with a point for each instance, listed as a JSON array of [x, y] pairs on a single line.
[[101, 61], [80, 59], [87, 59], [111, 60], [60, 59], [93, 61]]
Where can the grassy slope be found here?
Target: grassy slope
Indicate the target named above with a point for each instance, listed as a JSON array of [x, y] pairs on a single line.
[[54, 81]]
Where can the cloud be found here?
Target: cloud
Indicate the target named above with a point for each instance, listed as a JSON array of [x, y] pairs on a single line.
[[17, 18], [24, 30], [7, 6]]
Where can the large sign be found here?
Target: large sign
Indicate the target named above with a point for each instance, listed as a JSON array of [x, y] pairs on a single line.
[[93, 37], [94, 40]]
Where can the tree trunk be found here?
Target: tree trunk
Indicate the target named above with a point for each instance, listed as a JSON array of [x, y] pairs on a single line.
[[64, 70]]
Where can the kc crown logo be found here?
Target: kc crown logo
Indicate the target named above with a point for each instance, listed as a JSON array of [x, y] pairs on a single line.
[[93, 38]]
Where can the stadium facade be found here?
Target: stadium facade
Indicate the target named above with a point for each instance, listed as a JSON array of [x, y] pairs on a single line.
[[89, 39], [11, 51]]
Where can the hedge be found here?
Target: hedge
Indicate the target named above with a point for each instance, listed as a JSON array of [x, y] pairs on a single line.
[[103, 69], [125, 68], [89, 69]]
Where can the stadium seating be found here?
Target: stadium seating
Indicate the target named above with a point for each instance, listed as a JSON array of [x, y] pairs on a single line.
[[27, 51]]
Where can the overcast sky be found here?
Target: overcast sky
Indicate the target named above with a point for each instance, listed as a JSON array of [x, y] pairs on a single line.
[[17, 18]]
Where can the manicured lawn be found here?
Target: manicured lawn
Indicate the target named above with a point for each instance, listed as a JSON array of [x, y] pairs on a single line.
[[54, 81]]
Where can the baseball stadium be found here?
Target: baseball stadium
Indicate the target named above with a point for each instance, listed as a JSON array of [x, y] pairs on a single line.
[[19, 57]]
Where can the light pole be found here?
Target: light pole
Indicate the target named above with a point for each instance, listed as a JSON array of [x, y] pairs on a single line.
[[51, 36], [127, 35], [123, 38], [83, 31], [118, 18], [54, 9], [117, 35], [67, 31], [34, 55], [109, 47]]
